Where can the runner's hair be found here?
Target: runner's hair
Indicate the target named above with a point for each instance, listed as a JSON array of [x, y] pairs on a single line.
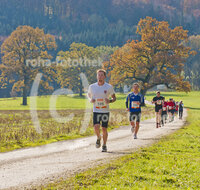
[[136, 84], [102, 70]]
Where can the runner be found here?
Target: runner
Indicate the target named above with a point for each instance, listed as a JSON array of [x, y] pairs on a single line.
[[171, 109], [181, 109], [133, 105], [177, 105], [158, 101], [164, 112], [174, 107], [99, 94]]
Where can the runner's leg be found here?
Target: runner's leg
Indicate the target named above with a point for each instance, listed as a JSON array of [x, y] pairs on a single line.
[[105, 119], [132, 121], [162, 118], [166, 118], [170, 116], [132, 126], [181, 114], [137, 124], [159, 117], [137, 127], [97, 130], [105, 135]]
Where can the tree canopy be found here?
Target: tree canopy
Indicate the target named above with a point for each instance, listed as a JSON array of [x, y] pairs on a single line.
[[158, 58], [25, 43]]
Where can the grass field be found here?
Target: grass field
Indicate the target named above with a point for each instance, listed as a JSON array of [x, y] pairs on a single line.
[[68, 102], [172, 163], [63, 102], [17, 129], [190, 100]]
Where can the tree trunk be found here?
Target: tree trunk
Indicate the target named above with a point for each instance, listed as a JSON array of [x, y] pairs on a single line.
[[121, 89], [24, 103], [143, 92], [81, 91], [81, 88], [24, 96]]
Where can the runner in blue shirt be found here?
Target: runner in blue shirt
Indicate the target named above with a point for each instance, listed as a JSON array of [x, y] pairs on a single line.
[[133, 105]]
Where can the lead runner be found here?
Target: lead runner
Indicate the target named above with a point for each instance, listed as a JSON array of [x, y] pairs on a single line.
[[99, 94]]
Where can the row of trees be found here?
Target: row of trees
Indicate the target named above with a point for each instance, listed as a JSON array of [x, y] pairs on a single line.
[[158, 58], [25, 49]]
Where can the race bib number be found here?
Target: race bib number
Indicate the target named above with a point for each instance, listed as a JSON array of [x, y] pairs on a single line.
[[100, 103], [170, 107], [159, 102], [164, 108], [134, 104]]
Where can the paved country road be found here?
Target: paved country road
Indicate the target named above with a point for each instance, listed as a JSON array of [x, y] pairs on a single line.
[[33, 166]]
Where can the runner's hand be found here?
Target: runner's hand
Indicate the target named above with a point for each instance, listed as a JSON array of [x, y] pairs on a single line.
[[92, 100], [107, 100]]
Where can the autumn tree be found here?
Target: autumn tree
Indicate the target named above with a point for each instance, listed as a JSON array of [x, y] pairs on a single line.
[[192, 67], [79, 59], [25, 43], [158, 58]]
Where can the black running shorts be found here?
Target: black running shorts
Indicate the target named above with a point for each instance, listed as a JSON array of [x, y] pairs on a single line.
[[164, 112], [135, 116], [157, 108], [101, 118]]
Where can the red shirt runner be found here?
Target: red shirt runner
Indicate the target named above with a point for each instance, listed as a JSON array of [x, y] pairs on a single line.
[[171, 105], [164, 108]]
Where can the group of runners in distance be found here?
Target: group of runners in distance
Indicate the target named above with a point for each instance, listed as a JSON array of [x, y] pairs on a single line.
[[101, 94], [164, 108]]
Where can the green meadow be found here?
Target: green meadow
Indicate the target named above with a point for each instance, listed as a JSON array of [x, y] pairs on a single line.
[[171, 163], [190, 100], [62, 102], [75, 102], [17, 129]]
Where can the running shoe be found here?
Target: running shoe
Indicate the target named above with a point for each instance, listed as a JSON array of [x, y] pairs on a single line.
[[98, 143], [156, 125], [104, 148], [135, 136]]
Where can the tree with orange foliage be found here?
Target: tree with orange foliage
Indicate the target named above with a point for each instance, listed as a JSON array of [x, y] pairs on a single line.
[[158, 58], [25, 43]]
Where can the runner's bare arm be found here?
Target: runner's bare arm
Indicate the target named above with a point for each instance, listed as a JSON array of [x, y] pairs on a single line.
[[90, 98], [127, 100]]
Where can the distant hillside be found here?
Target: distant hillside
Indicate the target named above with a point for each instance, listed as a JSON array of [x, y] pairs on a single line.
[[95, 22]]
